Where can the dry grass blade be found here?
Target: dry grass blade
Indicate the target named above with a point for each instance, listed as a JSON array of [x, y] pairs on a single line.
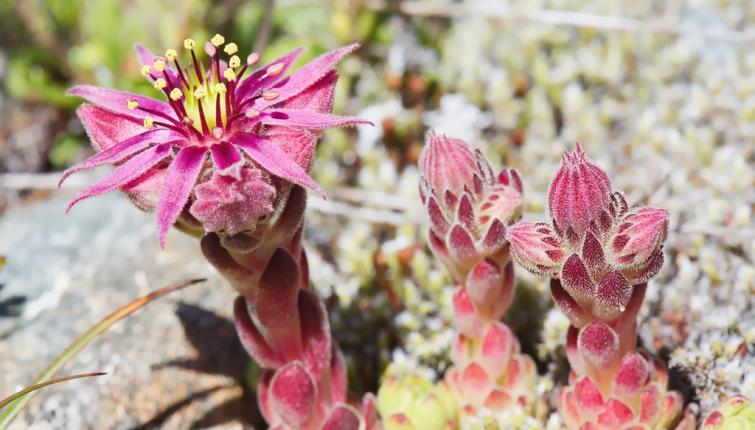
[[15, 406], [6, 401]]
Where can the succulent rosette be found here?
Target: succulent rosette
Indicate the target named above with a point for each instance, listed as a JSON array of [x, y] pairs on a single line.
[[224, 145]]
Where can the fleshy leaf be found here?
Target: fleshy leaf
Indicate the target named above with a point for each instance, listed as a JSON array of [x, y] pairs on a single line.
[[293, 395]]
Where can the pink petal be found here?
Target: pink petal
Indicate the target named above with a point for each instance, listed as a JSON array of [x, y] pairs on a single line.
[[226, 159], [297, 144], [258, 81], [123, 149], [275, 161], [308, 120], [317, 98], [306, 76], [117, 101], [179, 180], [106, 128], [124, 173], [147, 58]]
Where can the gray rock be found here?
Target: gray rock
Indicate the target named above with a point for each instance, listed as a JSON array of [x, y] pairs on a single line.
[[174, 364]]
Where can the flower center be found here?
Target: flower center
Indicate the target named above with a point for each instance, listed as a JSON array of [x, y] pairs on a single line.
[[204, 100]]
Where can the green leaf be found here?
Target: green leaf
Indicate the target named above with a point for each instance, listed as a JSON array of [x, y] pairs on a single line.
[[15, 406]]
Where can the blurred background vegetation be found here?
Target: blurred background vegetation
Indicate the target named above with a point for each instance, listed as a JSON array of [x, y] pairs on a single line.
[[660, 93]]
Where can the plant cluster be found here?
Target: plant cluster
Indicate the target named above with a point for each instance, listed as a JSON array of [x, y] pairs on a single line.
[[226, 158]]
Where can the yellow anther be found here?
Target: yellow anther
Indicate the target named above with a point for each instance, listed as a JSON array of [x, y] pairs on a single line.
[[252, 59], [171, 54], [148, 122], [159, 65], [217, 40], [269, 95], [229, 75], [234, 62], [132, 104], [145, 70], [176, 94], [200, 92], [274, 69], [189, 43], [252, 113], [231, 48], [160, 84], [220, 88]]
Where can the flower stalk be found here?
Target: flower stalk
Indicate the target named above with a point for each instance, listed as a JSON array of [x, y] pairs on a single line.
[[600, 254], [225, 157], [470, 208]]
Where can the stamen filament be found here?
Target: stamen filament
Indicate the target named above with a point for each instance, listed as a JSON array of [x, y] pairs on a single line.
[[170, 126], [218, 115], [157, 113], [202, 119], [181, 73], [196, 67]]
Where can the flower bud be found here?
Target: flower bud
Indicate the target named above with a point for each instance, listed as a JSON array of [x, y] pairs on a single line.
[[231, 205], [448, 165], [639, 235], [535, 246], [579, 194]]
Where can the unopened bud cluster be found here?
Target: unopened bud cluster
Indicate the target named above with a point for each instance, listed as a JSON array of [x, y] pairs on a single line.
[[600, 255], [470, 207]]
